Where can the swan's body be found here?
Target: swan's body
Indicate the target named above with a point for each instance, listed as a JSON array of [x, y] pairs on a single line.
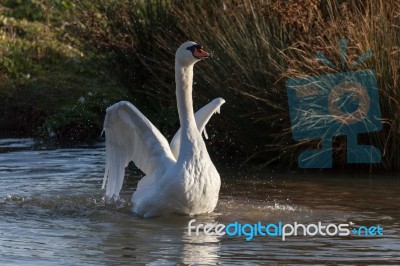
[[180, 177]]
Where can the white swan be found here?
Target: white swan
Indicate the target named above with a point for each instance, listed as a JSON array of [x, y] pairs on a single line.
[[179, 178]]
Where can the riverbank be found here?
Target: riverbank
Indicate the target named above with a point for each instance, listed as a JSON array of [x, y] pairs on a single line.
[[62, 63]]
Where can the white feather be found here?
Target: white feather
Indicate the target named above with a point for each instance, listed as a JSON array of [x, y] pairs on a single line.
[[202, 117], [130, 136]]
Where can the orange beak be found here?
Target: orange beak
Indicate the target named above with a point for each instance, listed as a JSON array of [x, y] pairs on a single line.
[[200, 53]]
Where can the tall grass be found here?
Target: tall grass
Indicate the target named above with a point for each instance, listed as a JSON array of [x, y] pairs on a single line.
[[243, 70], [257, 46], [371, 25]]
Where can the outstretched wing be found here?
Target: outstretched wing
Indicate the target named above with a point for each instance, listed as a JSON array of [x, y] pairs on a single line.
[[130, 136], [202, 117]]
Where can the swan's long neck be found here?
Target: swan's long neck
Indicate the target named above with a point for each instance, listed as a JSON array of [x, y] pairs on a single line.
[[184, 81]]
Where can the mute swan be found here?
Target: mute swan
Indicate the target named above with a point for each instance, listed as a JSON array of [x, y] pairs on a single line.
[[180, 177]]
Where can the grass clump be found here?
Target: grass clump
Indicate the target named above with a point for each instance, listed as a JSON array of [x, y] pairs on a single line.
[[366, 25], [44, 73], [257, 46], [243, 71]]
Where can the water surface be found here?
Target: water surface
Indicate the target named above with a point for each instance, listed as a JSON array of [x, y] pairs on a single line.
[[53, 212]]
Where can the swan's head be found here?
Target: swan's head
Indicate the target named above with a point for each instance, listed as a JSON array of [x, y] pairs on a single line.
[[190, 52]]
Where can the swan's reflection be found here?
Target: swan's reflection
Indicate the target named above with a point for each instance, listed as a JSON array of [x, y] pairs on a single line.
[[201, 248], [130, 239]]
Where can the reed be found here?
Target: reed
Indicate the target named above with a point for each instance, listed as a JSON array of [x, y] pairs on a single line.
[[257, 46], [367, 25]]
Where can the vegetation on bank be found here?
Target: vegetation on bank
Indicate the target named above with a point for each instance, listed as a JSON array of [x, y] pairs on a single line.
[[59, 70], [49, 86]]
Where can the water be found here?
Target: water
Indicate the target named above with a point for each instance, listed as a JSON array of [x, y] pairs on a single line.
[[53, 213]]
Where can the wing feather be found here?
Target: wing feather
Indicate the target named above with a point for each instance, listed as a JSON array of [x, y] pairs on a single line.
[[202, 117], [130, 136]]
